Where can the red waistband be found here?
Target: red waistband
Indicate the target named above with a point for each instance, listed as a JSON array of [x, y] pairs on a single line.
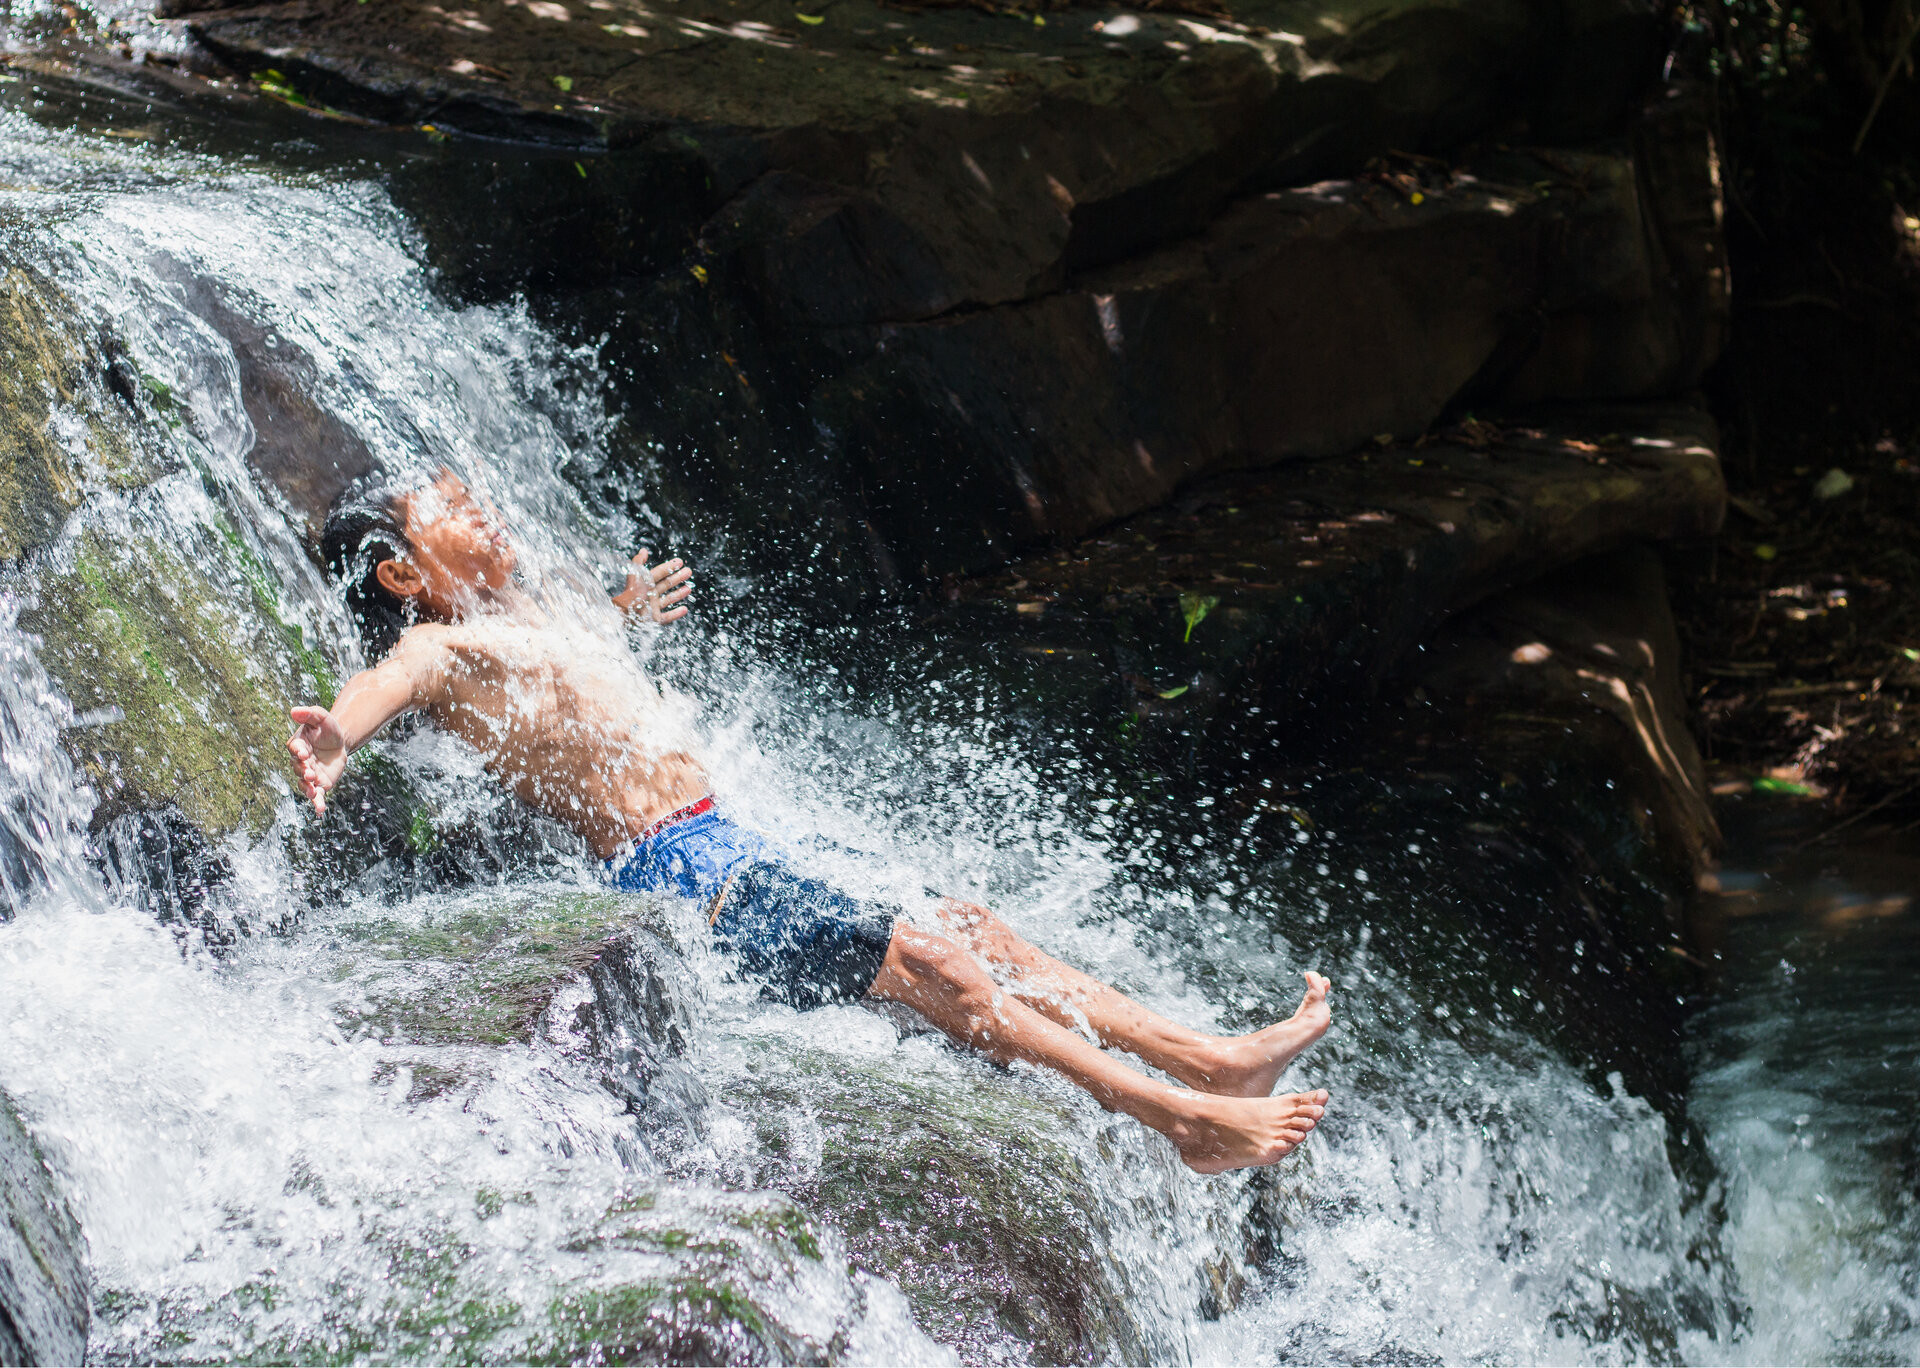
[[673, 818]]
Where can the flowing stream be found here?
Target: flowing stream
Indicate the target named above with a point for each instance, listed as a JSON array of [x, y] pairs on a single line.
[[337, 1142]]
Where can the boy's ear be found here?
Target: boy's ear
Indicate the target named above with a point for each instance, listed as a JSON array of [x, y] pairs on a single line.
[[398, 578]]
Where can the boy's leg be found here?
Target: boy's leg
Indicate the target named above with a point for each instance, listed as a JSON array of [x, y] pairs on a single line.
[[948, 985], [1237, 1066]]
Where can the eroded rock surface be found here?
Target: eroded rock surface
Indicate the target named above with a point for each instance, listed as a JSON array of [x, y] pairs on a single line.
[[44, 1285]]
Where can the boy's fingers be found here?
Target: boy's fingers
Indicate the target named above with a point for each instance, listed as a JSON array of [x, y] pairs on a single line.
[[673, 615]]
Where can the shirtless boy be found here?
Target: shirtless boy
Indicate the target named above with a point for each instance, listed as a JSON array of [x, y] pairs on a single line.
[[573, 728]]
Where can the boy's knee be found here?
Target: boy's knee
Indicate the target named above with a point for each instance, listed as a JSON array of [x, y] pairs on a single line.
[[935, 964], [980, 929]]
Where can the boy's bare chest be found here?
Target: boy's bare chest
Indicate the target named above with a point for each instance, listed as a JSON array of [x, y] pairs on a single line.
[[532, 688]]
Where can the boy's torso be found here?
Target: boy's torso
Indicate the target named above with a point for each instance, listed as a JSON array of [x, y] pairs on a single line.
[[563, 718]]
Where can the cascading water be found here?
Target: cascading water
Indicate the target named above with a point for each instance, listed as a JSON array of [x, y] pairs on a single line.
[[387, 1133]]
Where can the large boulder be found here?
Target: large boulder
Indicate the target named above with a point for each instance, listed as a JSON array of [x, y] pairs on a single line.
[[164, 630], [1299, 323], [991, 1199], [882, 165], [44, 1285]]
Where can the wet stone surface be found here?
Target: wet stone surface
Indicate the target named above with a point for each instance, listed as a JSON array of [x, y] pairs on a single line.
[[44, 1282]]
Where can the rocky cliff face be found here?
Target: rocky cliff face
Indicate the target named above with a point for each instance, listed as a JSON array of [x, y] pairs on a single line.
[[1050, 265]]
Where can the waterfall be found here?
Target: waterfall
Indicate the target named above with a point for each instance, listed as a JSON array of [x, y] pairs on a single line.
[[379, 1117]]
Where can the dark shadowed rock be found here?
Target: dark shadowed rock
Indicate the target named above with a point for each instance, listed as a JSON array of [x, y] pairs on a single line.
[[300, 450], [912, 163], [1270, 590], [44, 1287], [1588, 660]]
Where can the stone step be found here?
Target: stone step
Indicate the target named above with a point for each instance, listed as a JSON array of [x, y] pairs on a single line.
[[1258, 593]]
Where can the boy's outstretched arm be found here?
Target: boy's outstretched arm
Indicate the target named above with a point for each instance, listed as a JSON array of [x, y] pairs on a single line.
[[325, 737], [653, 592]]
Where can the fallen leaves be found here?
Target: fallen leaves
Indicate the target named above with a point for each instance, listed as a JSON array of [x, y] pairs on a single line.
[[1194, 609]]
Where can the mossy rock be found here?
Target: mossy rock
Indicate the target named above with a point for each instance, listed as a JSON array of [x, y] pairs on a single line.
[[738, 1293], [169, 643], [181, 670], [67, 414], [961, 1188], [484, 970], [666, 1275], [596, 972]]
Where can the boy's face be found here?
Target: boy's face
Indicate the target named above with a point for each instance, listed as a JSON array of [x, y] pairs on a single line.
[[459, 547]]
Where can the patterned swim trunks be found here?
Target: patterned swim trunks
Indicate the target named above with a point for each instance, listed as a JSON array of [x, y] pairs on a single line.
[[807, 942]]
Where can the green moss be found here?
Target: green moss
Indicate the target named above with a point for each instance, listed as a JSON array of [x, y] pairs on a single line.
[[491, 970], [200, 677], [48, 366]]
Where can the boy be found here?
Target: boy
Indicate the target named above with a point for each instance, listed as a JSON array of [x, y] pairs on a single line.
[[568, 723]]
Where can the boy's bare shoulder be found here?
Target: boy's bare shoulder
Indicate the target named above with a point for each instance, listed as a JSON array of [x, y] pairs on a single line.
[[481, 638]]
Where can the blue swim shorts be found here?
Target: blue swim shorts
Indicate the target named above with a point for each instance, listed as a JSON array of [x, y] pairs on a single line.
[[807, 942]]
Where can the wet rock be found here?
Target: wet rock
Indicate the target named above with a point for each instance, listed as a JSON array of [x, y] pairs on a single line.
[[489, 971], [975, 1195], [160, 861], [180, 671], [739, 1263], [67, 400], [1257, 593], [44, 1285], [168, 641], [300, 450]]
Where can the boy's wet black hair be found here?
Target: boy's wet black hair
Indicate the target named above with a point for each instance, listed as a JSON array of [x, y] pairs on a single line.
[[365, 526]]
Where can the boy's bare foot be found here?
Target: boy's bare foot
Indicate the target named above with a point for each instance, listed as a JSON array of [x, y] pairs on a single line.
[[1221, 1133], [1249, 1065]]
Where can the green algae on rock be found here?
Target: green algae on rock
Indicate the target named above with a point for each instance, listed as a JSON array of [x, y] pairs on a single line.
[[484, 971], [172, 649], [60, 432], [180, 670], [959, 1184]]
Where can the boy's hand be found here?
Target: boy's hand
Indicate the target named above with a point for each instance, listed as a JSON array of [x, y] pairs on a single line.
[[652, 591], [319, 752]]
